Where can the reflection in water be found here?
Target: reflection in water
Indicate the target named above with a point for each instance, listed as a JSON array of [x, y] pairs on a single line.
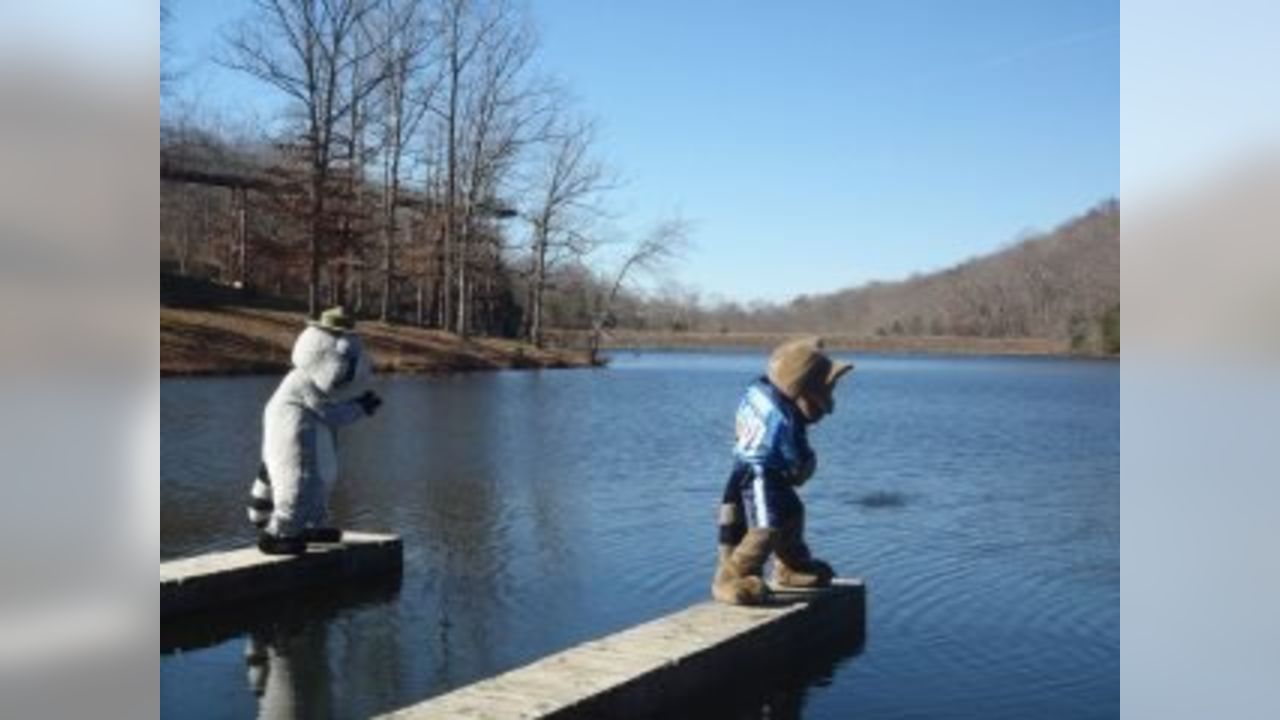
[[784, 694], [287, 643], [540, 510], [289, 673], [313, 608]]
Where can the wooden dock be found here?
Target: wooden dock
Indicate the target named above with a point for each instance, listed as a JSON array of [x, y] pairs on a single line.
[[220, 580], [664, 666]]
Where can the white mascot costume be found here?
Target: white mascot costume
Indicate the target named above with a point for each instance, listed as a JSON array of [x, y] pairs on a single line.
[[289, 498]]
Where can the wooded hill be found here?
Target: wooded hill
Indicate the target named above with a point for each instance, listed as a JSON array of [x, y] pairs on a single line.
[[1061, 285]]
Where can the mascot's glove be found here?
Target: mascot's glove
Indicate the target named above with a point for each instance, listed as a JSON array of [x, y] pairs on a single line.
[[369, 402], [805, 471]]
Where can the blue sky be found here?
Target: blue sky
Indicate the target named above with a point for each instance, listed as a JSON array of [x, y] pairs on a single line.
[[817, 145]]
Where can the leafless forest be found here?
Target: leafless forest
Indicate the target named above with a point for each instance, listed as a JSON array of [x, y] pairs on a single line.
[[1060, 285], [424, 172]]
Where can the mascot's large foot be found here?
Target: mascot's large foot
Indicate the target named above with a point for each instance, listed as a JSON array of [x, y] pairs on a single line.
[[750, 590], [810, 574], [272, 545], [738, 578], [322, 535], [795, 566]]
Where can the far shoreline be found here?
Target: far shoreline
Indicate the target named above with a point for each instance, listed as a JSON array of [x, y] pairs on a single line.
[[896, 345], [237, 341]]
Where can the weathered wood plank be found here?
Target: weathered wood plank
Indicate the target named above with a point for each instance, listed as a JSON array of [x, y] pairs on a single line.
[[654, 668], [223, 579]]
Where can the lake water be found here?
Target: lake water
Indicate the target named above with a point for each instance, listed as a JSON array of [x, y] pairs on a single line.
[[978, 497]]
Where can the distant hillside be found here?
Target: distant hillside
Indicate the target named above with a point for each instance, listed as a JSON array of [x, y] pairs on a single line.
[[1063, 285]]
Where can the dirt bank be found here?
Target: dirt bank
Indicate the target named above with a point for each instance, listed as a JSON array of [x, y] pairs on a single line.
[[231, 340]]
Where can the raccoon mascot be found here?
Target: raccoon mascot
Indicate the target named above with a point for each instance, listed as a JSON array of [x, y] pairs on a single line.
[[289, 497]]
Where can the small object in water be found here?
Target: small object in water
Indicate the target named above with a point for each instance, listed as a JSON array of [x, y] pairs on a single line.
[[882, 498]]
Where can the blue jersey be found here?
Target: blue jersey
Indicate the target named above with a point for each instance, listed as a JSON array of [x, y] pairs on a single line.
[[770, 435]]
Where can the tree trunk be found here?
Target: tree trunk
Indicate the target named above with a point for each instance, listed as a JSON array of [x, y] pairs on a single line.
[[391, 187], [186, 247], [242, 235], [317, 225], [438, 316], [526, 320], [539, 285], [421, 299], [463, 260], [451, 210], [388, 242]]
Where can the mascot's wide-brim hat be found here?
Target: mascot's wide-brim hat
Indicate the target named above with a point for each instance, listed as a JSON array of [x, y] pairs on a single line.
[[334, 320], [800, 364]]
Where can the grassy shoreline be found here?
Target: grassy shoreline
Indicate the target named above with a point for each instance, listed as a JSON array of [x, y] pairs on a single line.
[[941, 345], [236, 340], [239, 340]]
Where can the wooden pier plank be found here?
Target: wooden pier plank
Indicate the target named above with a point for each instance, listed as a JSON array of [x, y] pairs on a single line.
[[218, 580], [654, 667]]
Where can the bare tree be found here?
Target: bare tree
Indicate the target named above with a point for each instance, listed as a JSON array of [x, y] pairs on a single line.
[[653, 252], [488, 111], [505, 113], [168, 76], [567, 193], [403, 37], [306, 50], [351, 265], [461, 42]]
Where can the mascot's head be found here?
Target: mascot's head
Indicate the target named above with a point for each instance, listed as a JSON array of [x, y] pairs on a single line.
[[804, 373], [330, 352]]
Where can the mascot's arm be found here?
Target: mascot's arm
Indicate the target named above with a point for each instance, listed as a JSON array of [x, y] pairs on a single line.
[[797, 455], [806, 470], [334, 413], [337, 414]]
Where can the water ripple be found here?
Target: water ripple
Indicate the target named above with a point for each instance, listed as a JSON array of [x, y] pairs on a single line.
[[978, 497]]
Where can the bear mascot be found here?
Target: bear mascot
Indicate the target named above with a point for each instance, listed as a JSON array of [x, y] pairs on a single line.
[[760, 512]]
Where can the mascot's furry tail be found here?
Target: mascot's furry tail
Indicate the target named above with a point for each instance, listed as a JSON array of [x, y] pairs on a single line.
[[260, 504]]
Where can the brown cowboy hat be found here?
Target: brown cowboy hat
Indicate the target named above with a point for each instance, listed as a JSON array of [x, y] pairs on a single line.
[[335, 320]]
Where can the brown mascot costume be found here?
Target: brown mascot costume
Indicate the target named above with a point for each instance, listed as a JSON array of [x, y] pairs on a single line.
[[761, 513]]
